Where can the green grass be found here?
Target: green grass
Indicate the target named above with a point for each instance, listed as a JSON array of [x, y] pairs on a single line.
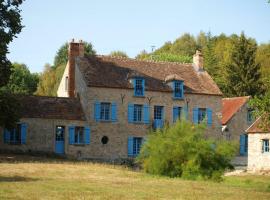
[[25, 177]]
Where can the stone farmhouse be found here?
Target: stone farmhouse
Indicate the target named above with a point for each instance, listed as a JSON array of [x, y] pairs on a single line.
[[106, 106], [258, 147], [236, 118]]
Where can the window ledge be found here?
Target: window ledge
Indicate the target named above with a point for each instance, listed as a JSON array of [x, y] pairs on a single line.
[[81, 144], [178, 98], [139, 96]]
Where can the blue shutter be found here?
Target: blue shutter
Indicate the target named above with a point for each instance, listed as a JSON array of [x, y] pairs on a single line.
[[175, 113], [114, 112], [209, 117], [130, 146], [6, 136], [97, 111], [143, 86], [182, 89], [71, 130], [146, 114], [87, 133], [133, 81], [242, 144], [130, 112], [173, 83], [195, 115], [23, 133]]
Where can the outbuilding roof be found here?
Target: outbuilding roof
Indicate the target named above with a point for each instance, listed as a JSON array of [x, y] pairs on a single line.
[[114, 72], [230, 106], [51, 107], [256, 127]]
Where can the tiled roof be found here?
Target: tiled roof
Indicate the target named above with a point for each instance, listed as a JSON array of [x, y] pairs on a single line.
[[114, 72], [255, 127], [51, 107], [230, 106]]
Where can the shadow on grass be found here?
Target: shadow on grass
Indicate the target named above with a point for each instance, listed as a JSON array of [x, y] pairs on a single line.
[[16, 179]]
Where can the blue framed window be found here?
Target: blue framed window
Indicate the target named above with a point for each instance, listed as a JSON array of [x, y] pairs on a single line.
[[177, 112], [178, 89], [79, 135], [200, 114], [105, 110], [265, 145], [16, 135], [134, 145], [158, 117], [137, 114], [243, 144], [249, 116], [139, 85]]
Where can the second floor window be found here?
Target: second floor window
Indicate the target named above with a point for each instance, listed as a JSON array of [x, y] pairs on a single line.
[[137, 114], [178, 89], [138, 87], [158, 112], [265, 145], [177, 112], [105, 111], [201, 114]]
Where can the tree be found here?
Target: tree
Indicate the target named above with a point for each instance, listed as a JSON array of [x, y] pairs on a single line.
[[51, 76], [263, 58], [21, 80], [181, 150], [10, 26], [119, 54], [244, 76]]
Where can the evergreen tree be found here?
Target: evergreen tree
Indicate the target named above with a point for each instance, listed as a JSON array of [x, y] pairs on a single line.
[[244, 76]]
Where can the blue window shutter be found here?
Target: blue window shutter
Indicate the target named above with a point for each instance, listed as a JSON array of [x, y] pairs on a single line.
[[23, 133], [97, 111], [133, 81], [175, 113], [130, 146], [195, 115], [209, 116], [242, 144], [146, 114], [87, 133], [173, 88], [114, 112], [130, 112], [6, 136], [182, 89], [71, 130], [143, 86]]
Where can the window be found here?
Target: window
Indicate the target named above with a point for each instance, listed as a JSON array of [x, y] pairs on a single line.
[[158, 112], [134, 145], [104, 140], [265, 145], [249, 116], [243, 144], [139, 87], [105, 111], [79, 135], [178, 89], [60, 132], [66, 83], [16, 135], [177, 112], [202, 115], [137, 115]]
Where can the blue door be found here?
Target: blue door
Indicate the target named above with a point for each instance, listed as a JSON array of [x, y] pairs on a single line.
[[60, 140]]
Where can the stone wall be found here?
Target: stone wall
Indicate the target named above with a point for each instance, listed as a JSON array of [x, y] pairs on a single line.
[[119, 131], [257, 161], [62, 91], [41, 136]]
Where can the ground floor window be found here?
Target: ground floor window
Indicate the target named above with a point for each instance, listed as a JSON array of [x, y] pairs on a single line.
[[243, 144], [16, 135], [79, 135], [134, 145], [265, 145]]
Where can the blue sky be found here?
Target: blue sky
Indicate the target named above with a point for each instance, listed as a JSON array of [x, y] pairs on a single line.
[[130, 26]]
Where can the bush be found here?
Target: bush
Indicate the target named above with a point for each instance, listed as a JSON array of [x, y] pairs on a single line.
[[182, 151]]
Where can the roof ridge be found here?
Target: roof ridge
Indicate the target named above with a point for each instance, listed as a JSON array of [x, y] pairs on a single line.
[[39, 96], [236, 97], [149, 61]]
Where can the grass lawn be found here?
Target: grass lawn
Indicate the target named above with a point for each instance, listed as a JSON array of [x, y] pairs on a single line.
[[25, 177]]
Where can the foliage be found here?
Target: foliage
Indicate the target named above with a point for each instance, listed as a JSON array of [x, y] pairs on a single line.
[[10, 26], [182, 151], [261, 108], [119, 54], [244, 76], [51, 76], [166, 57], [263, 58], [22, 81]]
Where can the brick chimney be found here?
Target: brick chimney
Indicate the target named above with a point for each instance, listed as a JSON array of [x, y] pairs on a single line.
[[76, 49], [198, 61]]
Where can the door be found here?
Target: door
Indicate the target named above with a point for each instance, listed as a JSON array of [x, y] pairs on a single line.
[[60, 140]]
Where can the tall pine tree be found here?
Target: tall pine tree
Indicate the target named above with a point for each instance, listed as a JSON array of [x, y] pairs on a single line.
[[244, 77]]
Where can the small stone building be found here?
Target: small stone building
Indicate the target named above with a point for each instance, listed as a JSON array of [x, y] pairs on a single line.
[[112, 103], [259, 150]]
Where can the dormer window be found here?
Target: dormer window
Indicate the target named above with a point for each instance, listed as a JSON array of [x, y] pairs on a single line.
[[139, 87], [178, 89]]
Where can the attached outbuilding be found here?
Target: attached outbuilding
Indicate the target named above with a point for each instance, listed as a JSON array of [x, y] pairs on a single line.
[[258, 151]]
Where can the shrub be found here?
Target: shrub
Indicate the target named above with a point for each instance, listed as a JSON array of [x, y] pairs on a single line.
[[181, 150]]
